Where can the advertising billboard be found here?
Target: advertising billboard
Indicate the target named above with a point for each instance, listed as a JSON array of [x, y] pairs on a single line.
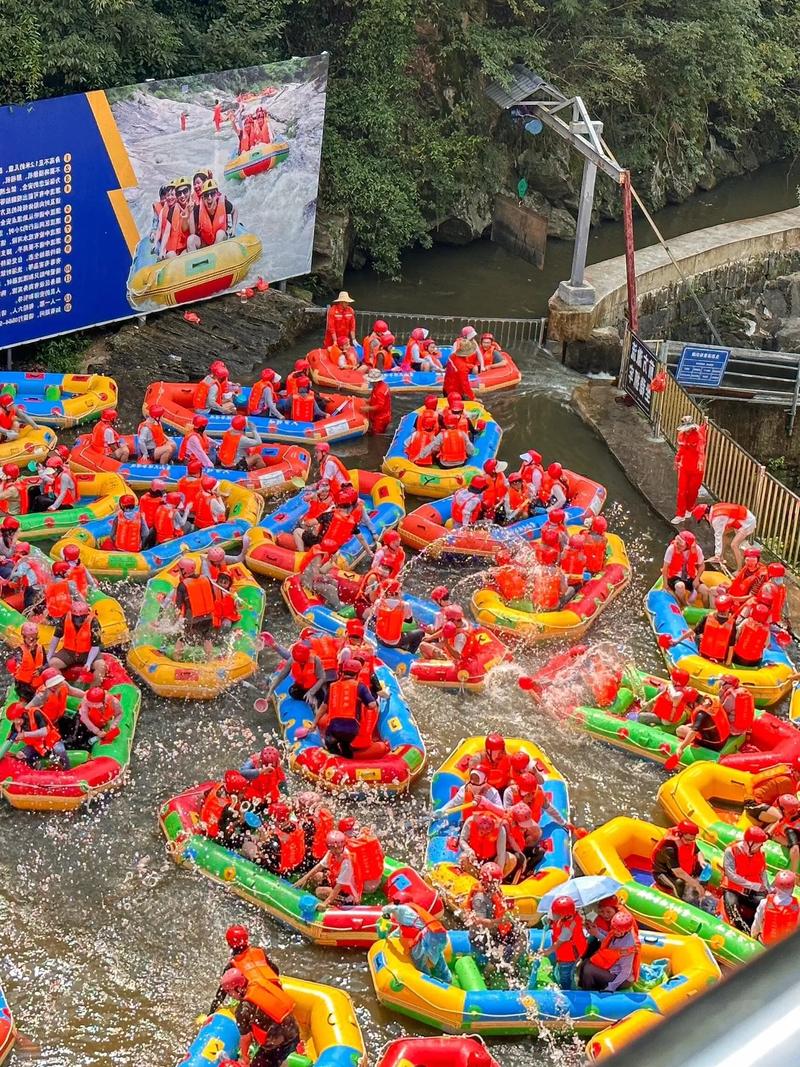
[[127, 201]]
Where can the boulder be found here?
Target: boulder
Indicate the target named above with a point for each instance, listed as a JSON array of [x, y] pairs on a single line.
[[471, 218], [333, 241]]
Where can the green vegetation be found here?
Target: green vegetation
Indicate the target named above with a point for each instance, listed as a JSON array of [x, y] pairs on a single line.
[[408, 129], [61, 355]]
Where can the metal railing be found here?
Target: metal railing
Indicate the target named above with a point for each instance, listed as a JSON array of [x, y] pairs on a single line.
[[509, 333], [731, 473]]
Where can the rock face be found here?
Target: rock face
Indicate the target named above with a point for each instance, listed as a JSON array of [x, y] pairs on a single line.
[[468, 222], [333, 243]]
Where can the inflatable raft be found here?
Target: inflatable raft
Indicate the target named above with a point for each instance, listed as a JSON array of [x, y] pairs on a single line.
[[436, 481], [244, 511], [60, 399], [326, 371], [609, 1041], [258, 160], [309, 609], [34, 444], [437, 1052], [714, 797], [193, 275], [329, 1032], [271, 549], [109, 612], [8, 1033], [336, 927], [574, 619], [344, 420], [287, 466], [432, 523], [471, 1007], [102, 768], [393, 772], [194, 677], [768, 683], [98, 497], [622, 849], [443, 849]]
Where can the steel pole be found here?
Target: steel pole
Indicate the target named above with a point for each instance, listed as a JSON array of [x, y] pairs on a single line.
[[630, 252], [576, 290]]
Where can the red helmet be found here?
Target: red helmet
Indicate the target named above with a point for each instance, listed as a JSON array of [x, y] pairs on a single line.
[[479, 483], [418, 334], [11, 470], [490, 872], [335, 839], [728, 679], [490, 466], [550, 536], [109, 415], [387, 338], [555, 470], [216, 554], [323, 448], [155, 411], [174, 499], [440, 593], [723, 603], [679, 676], [300, 653], [531, 456], [23, 548], [519, 761], [301, 365], [96, 695], [752, 553], [268, 374], [700, 512], [280, 811], [761, 613], [788, 803], [495, 743], [158, 485], [686, 826], [15, 710], [449, 630], [454, 612], [520, 811], [354, 628], [48, 674], [563, 906], [391, 537], [60, 568], [767, 593], [186, 566], [688, 537], [599, 524], [622, 922], [71, 553], [352, 666], [207, 483], [270, 756], [194, 467], [557, 516], [79, 607], [754, 835], [302, 382], [238, 422], [348, 495], [234, 782], [379, 326], [54, 462], [784, 880], [776, 570], [199, 422], [237, 937], [6, 400], [468, 332], [430, 403], [347, 824], [526, 783]]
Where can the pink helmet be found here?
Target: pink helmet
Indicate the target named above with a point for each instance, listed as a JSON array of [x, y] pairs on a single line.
[[335, 839]]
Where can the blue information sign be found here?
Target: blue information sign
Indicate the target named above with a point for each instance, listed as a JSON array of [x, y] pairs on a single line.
[[702, 365]]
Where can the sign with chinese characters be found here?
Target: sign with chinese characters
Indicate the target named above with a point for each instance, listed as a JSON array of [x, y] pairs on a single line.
[[702, 365], [640, 370], [132, 200]]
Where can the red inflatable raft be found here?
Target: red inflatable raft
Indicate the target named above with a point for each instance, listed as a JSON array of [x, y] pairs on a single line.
[[452, 1051]]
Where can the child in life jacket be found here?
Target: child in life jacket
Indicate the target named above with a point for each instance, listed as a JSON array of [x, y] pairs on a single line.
[[41, 738], [595, 543]]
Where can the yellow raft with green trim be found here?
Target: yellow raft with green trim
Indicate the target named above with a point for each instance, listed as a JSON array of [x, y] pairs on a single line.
[[35, 443], [98, 497]]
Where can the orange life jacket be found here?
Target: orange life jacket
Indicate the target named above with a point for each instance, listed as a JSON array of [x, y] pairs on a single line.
[[458, 508], [594, 551], [417, 442], [207, 225], [498, 773], [411, 933], [57, 598], [42, 745], [323, 824], [212, 810], [228, 448], [335, 866], [304, 674], [303, 407], [536, 802], [77, 639], [469, 651], [780, 920], [128, 532], [484, 845], [201, 438], [715, 638], [604, 682], [29, 665], [8, 417], [499, 907], [101, 714], [202, 511], [156, 430], [547, 486], [687, 852], [178, 237], [546, 587], [389, 617], [256, 393], [97, 437], [685, 564], [343, 702], [573, 948], [736, 514], [165, 526], [750, 867], [292, 849], [752, 641], [573, 562], [741, 710], [495, 492], [79, 577], [722, 728], [264, 988], [453, 448], [224, 607], [340, 528], [746, 583], [200, 597], [55, 703], [149, 503], [71, 493], [607, 956], [326, 649], [668, 710], [188, 487], [202, 389], [368, 857]]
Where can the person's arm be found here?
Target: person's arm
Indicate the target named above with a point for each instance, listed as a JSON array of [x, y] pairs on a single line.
[[432, 447], [622, 970], [502, 847], [758, 920], [58, 633], [196, 451], [277, 679], [320, 675]]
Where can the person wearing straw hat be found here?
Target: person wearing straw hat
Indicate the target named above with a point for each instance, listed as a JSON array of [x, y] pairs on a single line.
[[340, 325], [379, 405]]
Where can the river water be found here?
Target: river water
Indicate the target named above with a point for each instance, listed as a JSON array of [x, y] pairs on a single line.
[[110, 952]]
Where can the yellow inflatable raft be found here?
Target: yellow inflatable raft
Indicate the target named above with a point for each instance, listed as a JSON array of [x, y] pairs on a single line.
[[34, 443], [195, 678], [98, 497], [195, 275]]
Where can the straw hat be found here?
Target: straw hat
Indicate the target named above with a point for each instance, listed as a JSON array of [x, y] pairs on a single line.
[[374, 375], [344, 298]]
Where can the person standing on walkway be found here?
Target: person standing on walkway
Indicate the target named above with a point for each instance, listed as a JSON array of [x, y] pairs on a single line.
[[690, 465]]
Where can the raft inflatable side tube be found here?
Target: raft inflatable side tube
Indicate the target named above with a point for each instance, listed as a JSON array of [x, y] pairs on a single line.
[[443, 849], [337, 926], [450, 1051], [98, 497], [244, 511], [609, 1041], [150, 655], [271, 550], [575, 618], [8, 1032], [309, 609], [436, 481], [393, 773], [60, 399], [258, 160], [325, 371], [103, 768], [286, 465], [399, 985], [768, 683], [35, 443], [193, 275], [345, 417], [621, 849]]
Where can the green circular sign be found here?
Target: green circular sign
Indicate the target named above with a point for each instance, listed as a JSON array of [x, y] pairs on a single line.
[[522, 187]]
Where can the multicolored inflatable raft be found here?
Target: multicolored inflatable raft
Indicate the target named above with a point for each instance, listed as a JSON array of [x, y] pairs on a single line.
[[345, 418], [258, 160], [8, 1033], [287, 466], [768, 683], [34, 443], [325, 370], [337, 927], [437, 481], [309, 609], [443, 850], [431, 524], [100, 769], [402, 760], [467, 1005], [244, 511], [622, 849], [98, 497], [193, 275], [591, 598], [329, 1031], [271, 549], [60, 399], [194, 676]]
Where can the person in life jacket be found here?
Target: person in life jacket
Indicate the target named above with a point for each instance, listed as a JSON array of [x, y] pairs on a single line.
[[532, 473], [316, 820], [215, 563], [265, 777], [379, 404], [489, 352], [263, 1011], [776, 577], [422, 935], [340, 322], [279, 844], [240, 446], [28, 662], [615, 965], [573, 560], [381, 357], [105, 439], [678, 865], [461, 644], [152, 443], [671, 705], [744, 878], [468, 503], [599, 926], [58, 594], [527, 789], [495, 496], [336, 874], [14, 491], [41, 738], [554, 491], [209, 507], [450, 448], [715, 633], [548, 583], [753, 636], [171, 519], [211, 221], [463, 359], [197, 445], [129, 530], [175, 234], [307, 674], [29, 575], [733, 521], [9, 540], [390, 614], [554, 530], [682, 570], [778, 914], [484, 839], [189, 486], [569, 940], [748, 579], [493, 932], [97, 721], [226, 610], [61, 492], [263, 395], [738, 704], [348, 359], [349, 713], [194, 600], [318, 576], [494, 760], [301, 404], [708, 727], [220, 393], [76, 642], [595, 543], [518, 503], [152, 499], [52, 695], [781, 820], [366, 850], [390, 554], [372, 342], [10, 425], [331, 469], [413, 357]]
